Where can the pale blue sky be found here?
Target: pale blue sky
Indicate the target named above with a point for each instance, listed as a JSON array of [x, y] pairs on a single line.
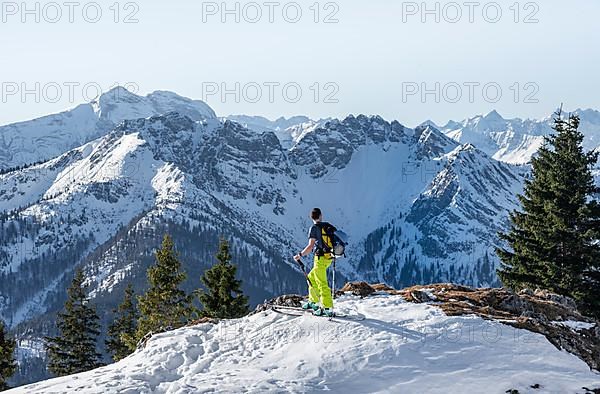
[[369, 55]]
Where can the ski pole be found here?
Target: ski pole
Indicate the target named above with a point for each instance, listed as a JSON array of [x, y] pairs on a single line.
[[301, 264], [333, 285]]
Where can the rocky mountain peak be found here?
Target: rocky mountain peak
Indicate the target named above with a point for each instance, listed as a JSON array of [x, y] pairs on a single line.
[[493, 116], [432, 142]]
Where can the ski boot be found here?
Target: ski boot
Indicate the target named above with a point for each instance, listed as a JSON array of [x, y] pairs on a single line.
[[326, 312], [310, 305]]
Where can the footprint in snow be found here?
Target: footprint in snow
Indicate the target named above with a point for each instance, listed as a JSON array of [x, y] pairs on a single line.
[[193, 353], [174, 362], [195, 339]]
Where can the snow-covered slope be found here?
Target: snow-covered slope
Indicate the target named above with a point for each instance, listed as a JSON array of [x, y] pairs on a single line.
[[41, 139], [399, 348], [516, 140]]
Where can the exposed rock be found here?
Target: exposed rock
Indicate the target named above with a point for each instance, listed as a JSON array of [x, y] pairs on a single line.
[[382, 287], [293, 300], [528, 292], [362, 289], [540, 312], [562, 300], [203, 320], [421, 296]]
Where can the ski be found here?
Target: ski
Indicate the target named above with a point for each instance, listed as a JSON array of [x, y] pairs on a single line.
[[337, 315]]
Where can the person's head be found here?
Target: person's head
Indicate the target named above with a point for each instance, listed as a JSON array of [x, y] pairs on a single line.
[[316, 215]]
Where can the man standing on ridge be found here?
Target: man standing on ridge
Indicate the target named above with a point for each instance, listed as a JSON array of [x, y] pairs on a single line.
[[318, 288]]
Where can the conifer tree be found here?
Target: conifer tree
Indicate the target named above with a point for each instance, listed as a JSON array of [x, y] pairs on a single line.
[[164, 304], [121, 333], [553, 239], [8, 366], [74, 349], [223, 297]]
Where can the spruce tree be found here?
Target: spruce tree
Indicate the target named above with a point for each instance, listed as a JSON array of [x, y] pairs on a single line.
[[121, 333], [74, 349], [164, 304], [553, 239], [223, 297], [8, 366]]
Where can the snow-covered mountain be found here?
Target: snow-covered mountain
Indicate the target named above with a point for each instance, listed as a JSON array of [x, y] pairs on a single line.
[[400, 348], [412, 191], [44, 138], [289, 131], [516, 140], [412, 201]]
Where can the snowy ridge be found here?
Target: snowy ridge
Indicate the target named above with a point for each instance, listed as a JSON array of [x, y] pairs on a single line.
[[41, 139], [516, 140], [400, 347]]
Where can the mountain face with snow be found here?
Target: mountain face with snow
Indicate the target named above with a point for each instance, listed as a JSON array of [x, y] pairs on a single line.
[[420, 207], [288, 131], [402, 194], [210, 177], [516, 140], [260, 123], [400, 347], [41, 139]]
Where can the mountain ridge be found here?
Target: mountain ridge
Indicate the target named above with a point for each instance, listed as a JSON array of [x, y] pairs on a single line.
[[516, 140], [41, 139]]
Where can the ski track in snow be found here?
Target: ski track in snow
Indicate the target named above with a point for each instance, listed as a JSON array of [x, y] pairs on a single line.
[[400, 348]]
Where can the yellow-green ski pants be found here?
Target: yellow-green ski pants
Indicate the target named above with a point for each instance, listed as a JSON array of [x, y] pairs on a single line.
[[319, 289]]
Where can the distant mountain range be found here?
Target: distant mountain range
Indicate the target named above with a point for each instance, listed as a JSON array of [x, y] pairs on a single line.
[[111, 177], [516, 140]]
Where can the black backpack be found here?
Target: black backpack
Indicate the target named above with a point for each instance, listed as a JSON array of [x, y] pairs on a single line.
[[332, 243]]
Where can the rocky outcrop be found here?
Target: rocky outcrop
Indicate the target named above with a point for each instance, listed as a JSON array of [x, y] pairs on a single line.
[[361, 289], [291, 300], [554, 316]]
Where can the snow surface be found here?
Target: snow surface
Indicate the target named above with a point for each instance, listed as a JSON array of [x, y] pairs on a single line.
[[400, 348]]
